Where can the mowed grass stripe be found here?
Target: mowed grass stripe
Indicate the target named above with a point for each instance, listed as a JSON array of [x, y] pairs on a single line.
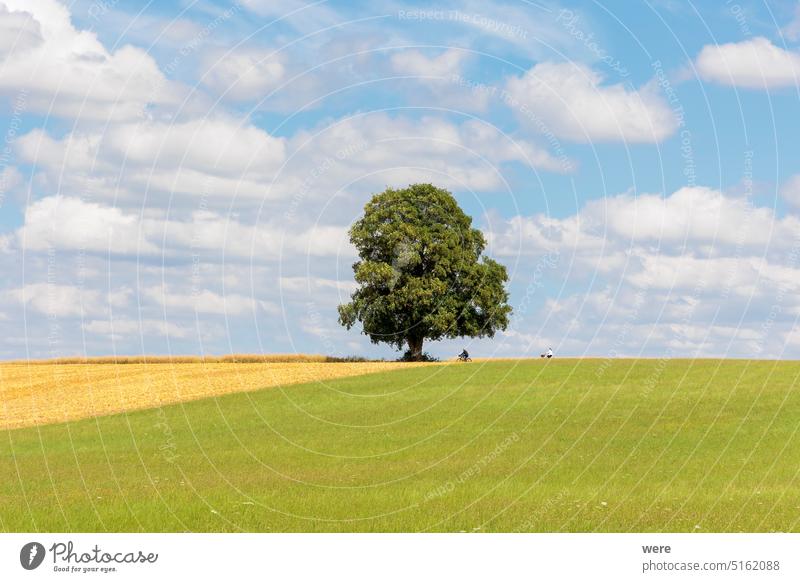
[[491, 446]]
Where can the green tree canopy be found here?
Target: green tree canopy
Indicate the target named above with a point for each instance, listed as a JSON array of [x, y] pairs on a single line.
[[421, 274]]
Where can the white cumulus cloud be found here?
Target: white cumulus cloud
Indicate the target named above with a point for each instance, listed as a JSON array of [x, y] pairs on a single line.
[[754, 64], [244, 74], [68, 72], [573, 102]]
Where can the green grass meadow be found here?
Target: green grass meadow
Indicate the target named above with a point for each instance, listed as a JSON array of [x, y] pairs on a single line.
[[502, 446]]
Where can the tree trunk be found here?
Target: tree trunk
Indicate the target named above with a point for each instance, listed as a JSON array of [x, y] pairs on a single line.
[[415, 347]]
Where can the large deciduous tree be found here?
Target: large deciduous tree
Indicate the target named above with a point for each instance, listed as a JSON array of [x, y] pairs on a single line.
[[421, 272]]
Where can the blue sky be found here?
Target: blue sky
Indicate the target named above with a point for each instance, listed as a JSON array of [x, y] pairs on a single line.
[[179, 177]]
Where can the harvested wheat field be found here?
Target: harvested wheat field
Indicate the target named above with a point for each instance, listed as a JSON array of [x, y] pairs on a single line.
[[45, 392]]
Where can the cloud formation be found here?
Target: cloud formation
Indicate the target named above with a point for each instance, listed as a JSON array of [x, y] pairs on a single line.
[[751, 64], [574, 102], [68, 72], [697, 270]]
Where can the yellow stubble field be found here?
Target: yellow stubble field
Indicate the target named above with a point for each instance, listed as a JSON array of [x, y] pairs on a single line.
[[35, 393]]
